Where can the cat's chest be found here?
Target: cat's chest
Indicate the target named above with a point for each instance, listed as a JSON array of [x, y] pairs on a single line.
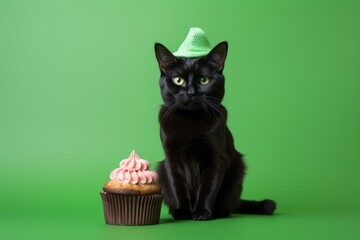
[[187, 129]]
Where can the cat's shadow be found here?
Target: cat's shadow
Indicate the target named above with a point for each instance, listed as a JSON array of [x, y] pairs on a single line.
[[167, 220]]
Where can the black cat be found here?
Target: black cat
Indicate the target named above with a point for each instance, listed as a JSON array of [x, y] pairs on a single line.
[[202, 175]]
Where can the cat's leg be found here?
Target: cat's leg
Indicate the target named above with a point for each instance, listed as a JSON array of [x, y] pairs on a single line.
[[231, 185], [230, 190], [228, 200], [207, 193], [176, 195]]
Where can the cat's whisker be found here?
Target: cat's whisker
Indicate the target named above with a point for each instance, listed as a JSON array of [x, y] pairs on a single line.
[[215, 98], [209, 103], [213, 106], [166, 115], [210, 107], [170, 110], [218, 100], [206, 109]]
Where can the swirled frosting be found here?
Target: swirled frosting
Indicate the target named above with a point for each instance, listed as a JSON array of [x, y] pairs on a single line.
[[134, 170]]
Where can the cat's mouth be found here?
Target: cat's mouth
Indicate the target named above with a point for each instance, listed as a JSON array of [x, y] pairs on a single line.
[[192, 105]]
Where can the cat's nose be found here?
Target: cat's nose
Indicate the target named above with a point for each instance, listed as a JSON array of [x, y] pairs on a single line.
[[191, 93]]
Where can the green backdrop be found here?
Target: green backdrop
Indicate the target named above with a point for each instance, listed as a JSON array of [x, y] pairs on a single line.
[[79, 90]]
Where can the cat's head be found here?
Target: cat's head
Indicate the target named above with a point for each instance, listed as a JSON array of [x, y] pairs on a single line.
[[192, 84]]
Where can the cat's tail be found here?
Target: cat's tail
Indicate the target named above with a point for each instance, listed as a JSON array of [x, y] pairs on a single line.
[[264, 207]]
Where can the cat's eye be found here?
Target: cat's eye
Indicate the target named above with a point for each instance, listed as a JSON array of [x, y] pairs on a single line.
[[204, 80], [179, 81]]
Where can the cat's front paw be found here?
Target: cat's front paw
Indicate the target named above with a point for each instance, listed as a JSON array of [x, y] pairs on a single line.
[[180, 214], [202, 215]]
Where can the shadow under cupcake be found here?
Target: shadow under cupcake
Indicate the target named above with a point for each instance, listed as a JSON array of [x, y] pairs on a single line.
[[132, 196]]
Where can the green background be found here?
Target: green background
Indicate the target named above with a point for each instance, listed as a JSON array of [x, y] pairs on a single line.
[[79, 90]]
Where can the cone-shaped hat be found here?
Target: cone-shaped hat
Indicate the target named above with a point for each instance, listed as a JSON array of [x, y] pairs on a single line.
[[195, 44]]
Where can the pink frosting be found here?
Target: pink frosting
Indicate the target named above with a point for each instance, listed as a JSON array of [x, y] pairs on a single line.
[[134, 170]]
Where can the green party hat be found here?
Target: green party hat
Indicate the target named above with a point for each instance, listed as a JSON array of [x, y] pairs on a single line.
[[195, 44]]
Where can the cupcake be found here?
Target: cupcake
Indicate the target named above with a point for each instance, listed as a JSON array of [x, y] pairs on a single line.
[[132, 196]]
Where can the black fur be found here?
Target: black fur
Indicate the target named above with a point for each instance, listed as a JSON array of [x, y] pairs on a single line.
[[202, 175]]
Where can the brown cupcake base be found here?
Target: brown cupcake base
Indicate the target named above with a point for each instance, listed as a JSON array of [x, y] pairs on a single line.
[[132, 210], [115, 186]]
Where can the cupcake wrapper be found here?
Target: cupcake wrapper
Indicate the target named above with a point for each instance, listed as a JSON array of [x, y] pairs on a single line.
[[120, 209]]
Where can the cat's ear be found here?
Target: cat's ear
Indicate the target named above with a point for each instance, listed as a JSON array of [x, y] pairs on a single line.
[[164, 57], [218, 55]]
